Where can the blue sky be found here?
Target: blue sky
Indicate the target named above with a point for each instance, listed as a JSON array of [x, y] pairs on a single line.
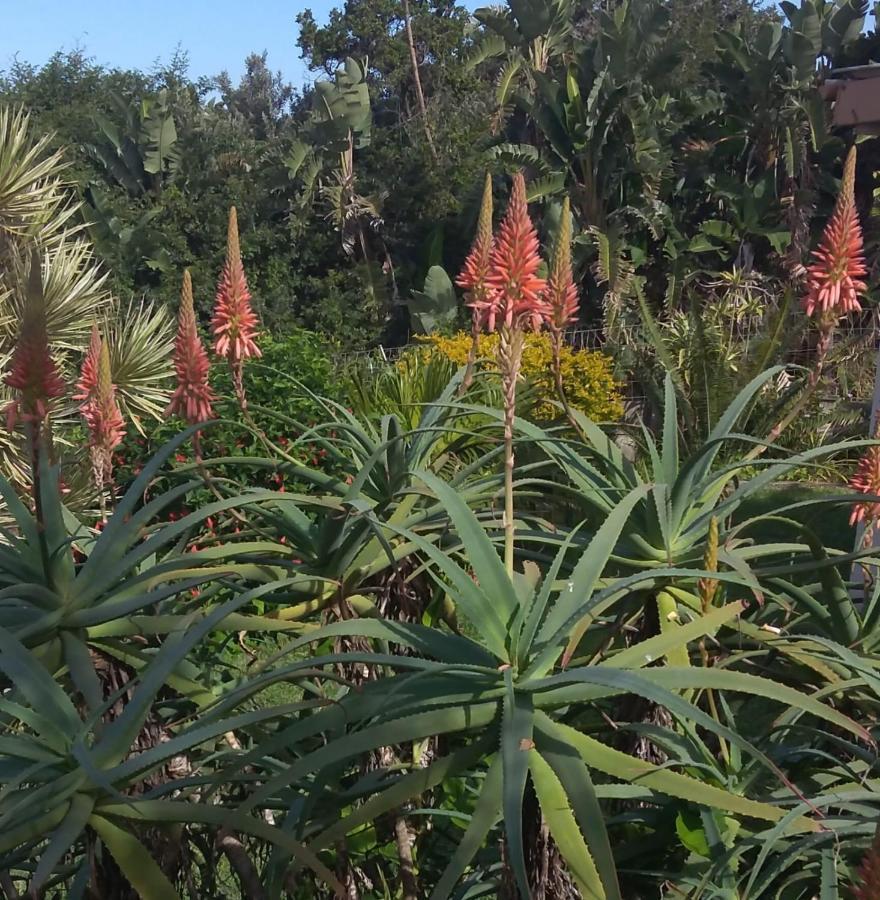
[[217, 34]]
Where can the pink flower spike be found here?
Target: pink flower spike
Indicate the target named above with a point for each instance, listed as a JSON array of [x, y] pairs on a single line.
[[835, 279], [516, 290], [475, 271], [99, 408], [32, 371], [866, 480], [234, 322], [562, 294], [193, 398]]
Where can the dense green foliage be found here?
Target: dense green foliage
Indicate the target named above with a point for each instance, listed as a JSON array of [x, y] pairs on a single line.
[[300, 651]]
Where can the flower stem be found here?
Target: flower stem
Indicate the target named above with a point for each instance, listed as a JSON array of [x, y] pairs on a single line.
[[510, 350], [814, 379], [556, 343]]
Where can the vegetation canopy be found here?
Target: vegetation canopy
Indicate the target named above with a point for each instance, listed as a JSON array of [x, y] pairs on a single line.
[[455, 477]]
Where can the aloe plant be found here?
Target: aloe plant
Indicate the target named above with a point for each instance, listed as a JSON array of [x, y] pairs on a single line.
[[500, 683]]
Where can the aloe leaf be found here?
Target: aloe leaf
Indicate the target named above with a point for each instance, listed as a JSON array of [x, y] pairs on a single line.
[[134, 861], [583, 579], [62, 839], [482, 553], [667, 613], [178, 811], [574, 777], [669, 459], [473, 602], [628, 768], [82, 669], [431, 642], [533, 613], [34, 683], [120, 733], [646, 652], [35, 828], [556, 809], [486, 814], [516, 740], [393, 731]]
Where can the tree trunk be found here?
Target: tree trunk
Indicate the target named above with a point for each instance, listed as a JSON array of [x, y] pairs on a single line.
[[420, 96]]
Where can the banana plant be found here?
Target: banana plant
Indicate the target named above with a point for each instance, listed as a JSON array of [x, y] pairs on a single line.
[[502, 702], [137, 148], [529, 37]]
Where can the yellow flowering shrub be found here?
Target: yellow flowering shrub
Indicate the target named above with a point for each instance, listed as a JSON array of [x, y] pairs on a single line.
[[586, 374]]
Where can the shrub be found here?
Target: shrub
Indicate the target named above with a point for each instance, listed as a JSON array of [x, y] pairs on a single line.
[[587, 374], [279, 388]]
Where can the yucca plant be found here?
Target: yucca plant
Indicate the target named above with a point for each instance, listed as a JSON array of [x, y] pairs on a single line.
[[33, 199], [38, 221]]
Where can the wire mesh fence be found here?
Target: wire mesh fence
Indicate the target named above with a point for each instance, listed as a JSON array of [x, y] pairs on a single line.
[[849, 374]]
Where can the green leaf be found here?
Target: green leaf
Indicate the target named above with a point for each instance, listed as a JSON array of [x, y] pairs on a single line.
[[582, 582], [646, 652], [828, 889], [628, 768], [175, 811], [574, 776], [412, 785], [486, 813], [556, 809], [669, 456], [134, 861], [35, 684], [516, 740], [435, 307], [62, 840], [689, 828]]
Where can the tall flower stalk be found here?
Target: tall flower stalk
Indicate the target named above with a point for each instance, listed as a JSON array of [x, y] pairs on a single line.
[[101, 412], [193, 398], [514, 303], [562, 301], [834, 282], [35, 378], [234, 322], [472, 279]]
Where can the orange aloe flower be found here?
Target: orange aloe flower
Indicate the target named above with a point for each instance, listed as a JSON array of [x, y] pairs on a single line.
[[516, 289], [866, 480], [193, 398], [234, 322], [475, 270], [834, 281], [99, 408], [562, 295], [33, 372]]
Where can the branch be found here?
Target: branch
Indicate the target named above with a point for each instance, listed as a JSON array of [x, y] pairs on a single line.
[[251, 885]]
